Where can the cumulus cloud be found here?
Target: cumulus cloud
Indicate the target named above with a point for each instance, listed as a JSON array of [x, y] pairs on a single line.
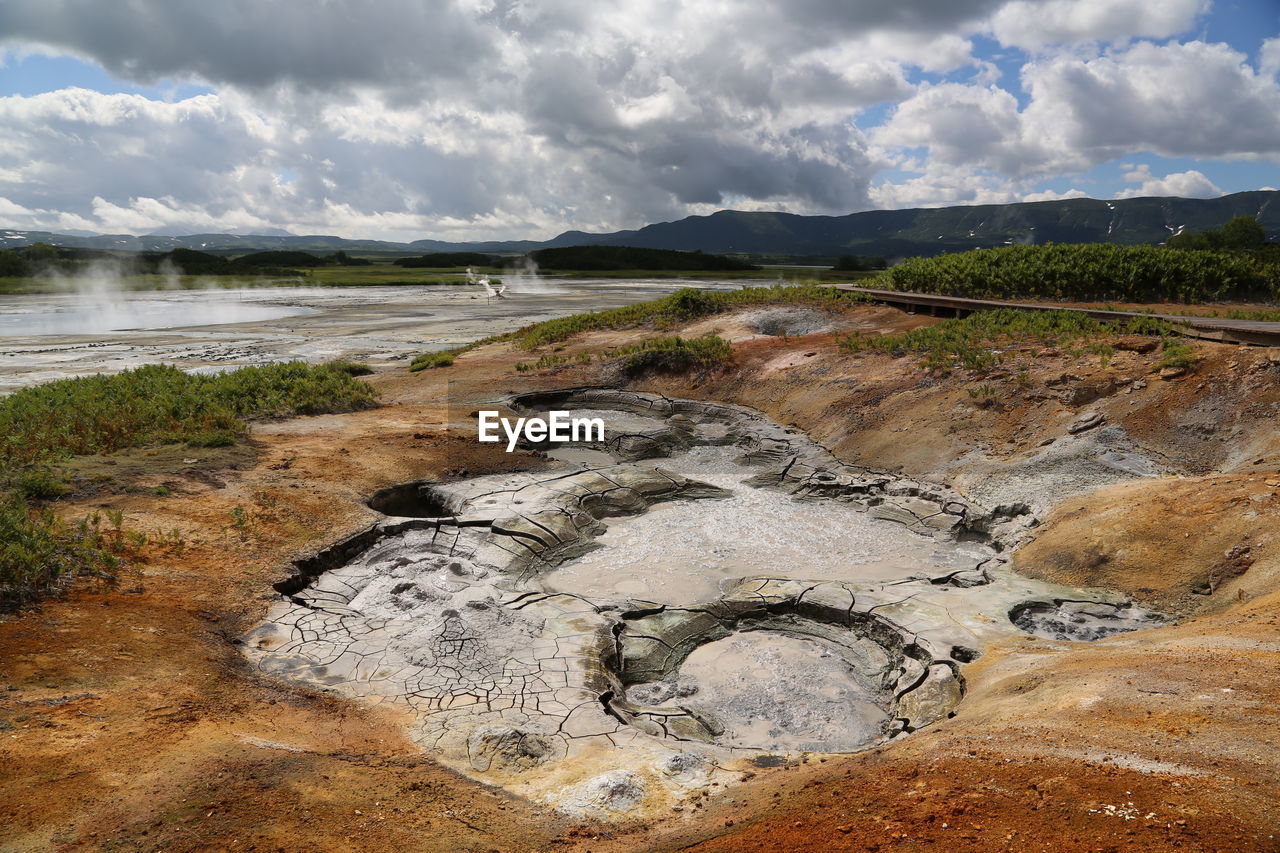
[[1269, 57], [1179, 100], [1189, 184], [1188, 99], [1035, 24], [502, 118]]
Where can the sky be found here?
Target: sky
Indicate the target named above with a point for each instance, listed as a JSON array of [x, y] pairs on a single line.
[[519, 119]]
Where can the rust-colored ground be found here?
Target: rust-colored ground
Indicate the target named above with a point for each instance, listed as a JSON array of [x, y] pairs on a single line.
[[129, 722]]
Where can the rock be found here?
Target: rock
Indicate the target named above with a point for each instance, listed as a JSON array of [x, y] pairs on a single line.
[[1088, 420], [606, 794], [1135, 343], [1061, 379], [1172, 372], [686, 767], [1273, 355], [933, 699], [1139, 384], [1078, 395], [508, 748], [1081, 621]]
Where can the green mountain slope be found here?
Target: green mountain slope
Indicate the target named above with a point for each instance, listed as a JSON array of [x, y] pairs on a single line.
[[931, 231], [890, 233]]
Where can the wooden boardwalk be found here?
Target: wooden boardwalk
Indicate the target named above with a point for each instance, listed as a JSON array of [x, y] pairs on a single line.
[[1250, 332]]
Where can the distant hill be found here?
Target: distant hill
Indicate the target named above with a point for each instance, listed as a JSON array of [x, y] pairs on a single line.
[[887, 233], [602, 258]]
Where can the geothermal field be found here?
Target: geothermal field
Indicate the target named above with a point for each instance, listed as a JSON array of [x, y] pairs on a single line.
[[695, 426], [802, 598]]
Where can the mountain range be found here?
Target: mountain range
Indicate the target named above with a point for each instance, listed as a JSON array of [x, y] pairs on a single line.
[[887, 233]]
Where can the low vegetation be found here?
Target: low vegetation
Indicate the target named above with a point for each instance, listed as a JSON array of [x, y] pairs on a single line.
[[1096, 271], [982, 340], [631, 258], [446, 260], [38, 550], [43, 424], [436, 359], [671, 310], [1244, 233], [1177, 354], [160, 403], [859, 263], [674, 354], [670, 354]]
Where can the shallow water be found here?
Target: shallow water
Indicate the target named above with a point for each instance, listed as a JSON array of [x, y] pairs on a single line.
[[130, 312], [681, 552], [44, 337]]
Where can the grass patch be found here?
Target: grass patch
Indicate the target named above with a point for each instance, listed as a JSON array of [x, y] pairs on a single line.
[[976, 342], [213, 438], [675, 355], [155, 404], [1177, 354], [159, 403], [680, 307], [38, 483], [38, 551], [672, 354], [436, 359], [351, 368]]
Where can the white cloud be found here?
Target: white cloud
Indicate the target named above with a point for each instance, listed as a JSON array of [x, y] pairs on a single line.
[[961, 124], [505, 118], [1177, 100], [1269, 57], [1036, 24], [938, 185], [1054, 195], [1188, 184], [1192, 99]]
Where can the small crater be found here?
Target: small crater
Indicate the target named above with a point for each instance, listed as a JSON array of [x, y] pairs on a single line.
[[1059, 619], [411, 500]]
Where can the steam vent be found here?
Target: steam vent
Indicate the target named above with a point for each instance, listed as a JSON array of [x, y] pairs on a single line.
[[698, 591]]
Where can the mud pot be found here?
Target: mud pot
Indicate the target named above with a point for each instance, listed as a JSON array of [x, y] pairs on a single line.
[[701, 592]]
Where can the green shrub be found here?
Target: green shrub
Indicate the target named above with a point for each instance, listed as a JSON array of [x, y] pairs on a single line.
[[434, 359], [1177, 354], [631, 258], [351, 368], [38, 551], [212, 438], [675, 354], [1094, 271], [40, 484]]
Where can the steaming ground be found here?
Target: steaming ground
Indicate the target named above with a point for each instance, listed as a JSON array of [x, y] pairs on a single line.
[[52, 336]]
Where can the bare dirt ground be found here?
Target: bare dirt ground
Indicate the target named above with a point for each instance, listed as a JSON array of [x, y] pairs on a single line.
[[129, 721]]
